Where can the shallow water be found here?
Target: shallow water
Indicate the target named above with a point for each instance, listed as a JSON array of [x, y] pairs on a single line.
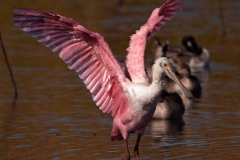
[[55, 117]]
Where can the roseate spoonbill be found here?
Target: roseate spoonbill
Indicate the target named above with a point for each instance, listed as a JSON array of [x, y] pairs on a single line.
[[131, 100]]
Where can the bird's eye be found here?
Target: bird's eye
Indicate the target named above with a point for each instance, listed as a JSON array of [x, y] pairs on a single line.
[[165, 64]]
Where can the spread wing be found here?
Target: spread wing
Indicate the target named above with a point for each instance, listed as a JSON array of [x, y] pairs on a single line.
[[84, 51], [136, 49]]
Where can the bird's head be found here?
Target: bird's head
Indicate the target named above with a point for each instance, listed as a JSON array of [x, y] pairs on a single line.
[[191, 45], [166, 66], [160, 49]]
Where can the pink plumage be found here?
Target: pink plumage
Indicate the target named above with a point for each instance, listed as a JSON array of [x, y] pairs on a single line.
[[84, 51], [135, 57], [89, 55]]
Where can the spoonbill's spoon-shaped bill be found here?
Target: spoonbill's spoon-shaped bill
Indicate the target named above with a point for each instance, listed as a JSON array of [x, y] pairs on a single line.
[[90, 56]]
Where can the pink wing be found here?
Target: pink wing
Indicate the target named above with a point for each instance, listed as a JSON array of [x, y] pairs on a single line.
[[84, 51], [135, 57]]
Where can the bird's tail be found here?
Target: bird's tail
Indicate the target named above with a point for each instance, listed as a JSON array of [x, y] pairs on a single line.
[[116, 135]]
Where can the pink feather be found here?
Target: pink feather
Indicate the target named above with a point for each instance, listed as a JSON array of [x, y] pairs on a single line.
[[84, 51], [136, 49]]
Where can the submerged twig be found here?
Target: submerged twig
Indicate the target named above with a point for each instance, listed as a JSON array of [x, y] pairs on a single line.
[[224, 32], [9, 67], [13, 6], [121, 2], [2, 59]]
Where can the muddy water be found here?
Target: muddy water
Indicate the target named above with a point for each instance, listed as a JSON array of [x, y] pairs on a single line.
[[55, 117]]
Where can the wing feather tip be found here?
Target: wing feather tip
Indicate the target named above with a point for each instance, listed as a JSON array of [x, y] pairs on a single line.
[[107, 106]]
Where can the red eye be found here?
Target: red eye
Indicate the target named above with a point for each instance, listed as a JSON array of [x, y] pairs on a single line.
[[165, 65]]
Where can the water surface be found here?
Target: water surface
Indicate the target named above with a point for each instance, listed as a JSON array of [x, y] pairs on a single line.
[[55, 117]]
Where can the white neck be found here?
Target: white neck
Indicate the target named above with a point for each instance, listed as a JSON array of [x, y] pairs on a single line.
[[157, 79]]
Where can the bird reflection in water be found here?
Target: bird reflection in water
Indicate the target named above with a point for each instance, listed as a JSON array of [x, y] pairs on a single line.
[[163, 129]]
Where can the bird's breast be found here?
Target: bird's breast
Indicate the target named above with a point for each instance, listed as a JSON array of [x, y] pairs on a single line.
[[141, 96]]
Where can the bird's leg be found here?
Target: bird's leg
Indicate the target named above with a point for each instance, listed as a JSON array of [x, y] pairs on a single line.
[[127, 150], [136, 152]]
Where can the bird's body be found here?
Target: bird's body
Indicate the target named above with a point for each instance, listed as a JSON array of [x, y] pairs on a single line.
[[191, 83], [200, 57], [200, 61], [123, 124], [128, 96], [169, 106]]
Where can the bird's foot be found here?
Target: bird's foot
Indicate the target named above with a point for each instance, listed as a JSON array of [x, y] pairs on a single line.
[[128, 156], [136, 154]]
